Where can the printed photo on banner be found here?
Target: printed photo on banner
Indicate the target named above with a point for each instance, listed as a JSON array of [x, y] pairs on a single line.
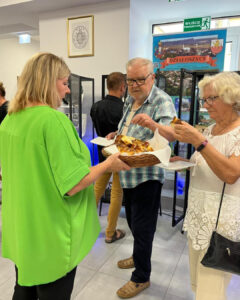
[[199, 50]]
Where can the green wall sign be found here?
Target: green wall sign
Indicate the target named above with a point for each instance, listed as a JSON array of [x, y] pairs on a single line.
[[194, 24]]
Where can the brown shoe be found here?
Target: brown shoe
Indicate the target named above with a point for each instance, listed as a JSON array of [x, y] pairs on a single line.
[[131, 289], [118, 234], [127, 263]]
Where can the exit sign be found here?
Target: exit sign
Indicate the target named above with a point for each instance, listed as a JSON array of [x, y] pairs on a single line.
[[194, 24]]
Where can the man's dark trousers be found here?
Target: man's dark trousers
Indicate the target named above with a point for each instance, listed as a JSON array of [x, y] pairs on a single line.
[[142, 206]]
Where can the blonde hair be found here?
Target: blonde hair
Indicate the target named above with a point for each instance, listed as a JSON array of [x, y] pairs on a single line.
[[140, 62], [226, 85], [38, 82]]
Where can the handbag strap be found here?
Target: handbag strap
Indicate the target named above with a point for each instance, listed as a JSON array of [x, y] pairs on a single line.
[[220, 205]]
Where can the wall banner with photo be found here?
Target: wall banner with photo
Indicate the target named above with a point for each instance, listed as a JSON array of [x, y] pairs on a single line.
[[199, 50], [80, 36]]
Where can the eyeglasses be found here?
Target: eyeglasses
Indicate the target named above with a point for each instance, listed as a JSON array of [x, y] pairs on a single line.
[[208, 100], [139, 82]]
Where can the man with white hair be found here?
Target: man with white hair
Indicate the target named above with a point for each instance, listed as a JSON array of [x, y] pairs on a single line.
[[149, 106]]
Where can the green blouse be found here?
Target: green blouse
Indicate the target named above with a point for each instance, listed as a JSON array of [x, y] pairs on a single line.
[[44, 232]]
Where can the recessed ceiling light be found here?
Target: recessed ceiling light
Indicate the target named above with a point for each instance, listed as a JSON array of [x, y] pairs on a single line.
[[24, 38], [175, 0]]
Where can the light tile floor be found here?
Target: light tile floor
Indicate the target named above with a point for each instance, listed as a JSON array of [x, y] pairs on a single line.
[[98, 276]]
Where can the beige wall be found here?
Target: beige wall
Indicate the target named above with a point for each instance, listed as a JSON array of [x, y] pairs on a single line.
[[13, 58], [111, 38]]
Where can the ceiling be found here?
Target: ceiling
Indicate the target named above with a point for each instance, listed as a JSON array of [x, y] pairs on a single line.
[[17, 16], [162, 9]]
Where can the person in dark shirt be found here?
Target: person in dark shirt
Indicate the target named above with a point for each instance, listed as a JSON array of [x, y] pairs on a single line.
[[3, 103], [106, 115]]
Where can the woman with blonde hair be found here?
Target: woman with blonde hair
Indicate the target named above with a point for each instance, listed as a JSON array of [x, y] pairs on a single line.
[[49, 217]]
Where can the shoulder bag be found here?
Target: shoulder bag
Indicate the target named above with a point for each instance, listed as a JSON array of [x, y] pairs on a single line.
[[222, 254]]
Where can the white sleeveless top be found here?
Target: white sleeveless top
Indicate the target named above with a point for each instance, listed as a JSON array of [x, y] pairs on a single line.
[[205, 193]]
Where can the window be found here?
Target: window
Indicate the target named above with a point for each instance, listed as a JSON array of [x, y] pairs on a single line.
[[175, 27], [168, 28], [228, 55]]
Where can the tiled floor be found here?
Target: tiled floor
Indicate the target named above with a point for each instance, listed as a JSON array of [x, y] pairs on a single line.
[[98, 276]]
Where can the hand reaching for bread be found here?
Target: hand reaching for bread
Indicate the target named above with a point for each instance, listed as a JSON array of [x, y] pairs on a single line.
[[144, 120], [175, 121]]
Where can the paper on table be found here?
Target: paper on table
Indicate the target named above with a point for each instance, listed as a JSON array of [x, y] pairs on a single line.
[[101, 141], [177, 165]]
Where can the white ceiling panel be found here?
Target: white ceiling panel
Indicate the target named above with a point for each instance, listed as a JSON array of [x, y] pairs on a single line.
[[27, 11]]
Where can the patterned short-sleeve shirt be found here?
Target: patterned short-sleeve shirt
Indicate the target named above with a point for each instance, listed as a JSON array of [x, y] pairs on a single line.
[[160, 108]]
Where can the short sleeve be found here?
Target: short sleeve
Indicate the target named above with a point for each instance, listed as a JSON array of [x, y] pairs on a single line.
[[68, 156], [166, 110], [233, 143]]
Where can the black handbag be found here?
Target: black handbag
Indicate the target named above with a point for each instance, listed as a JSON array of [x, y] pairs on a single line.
[[222, 254]]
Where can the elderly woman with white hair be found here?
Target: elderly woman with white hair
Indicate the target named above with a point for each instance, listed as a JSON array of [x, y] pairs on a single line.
[[217, 159]]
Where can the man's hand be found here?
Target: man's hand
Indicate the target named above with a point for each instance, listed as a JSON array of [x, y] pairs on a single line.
[[178, 158], [111, 135], [144, 120]]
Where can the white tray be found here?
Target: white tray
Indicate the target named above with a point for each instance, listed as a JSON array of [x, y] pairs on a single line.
[[101, 141], [177, 165]]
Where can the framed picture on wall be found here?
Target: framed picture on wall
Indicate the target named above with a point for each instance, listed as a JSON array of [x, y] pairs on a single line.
[[80, 36]]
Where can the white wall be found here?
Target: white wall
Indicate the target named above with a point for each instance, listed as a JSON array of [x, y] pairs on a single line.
[[111, 39], [13, 58], [140, 35]]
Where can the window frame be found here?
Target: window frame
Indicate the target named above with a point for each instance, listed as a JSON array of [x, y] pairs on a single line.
[[181, 22]]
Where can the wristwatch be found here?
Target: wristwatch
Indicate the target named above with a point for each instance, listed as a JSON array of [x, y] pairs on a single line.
[[202, 145]]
